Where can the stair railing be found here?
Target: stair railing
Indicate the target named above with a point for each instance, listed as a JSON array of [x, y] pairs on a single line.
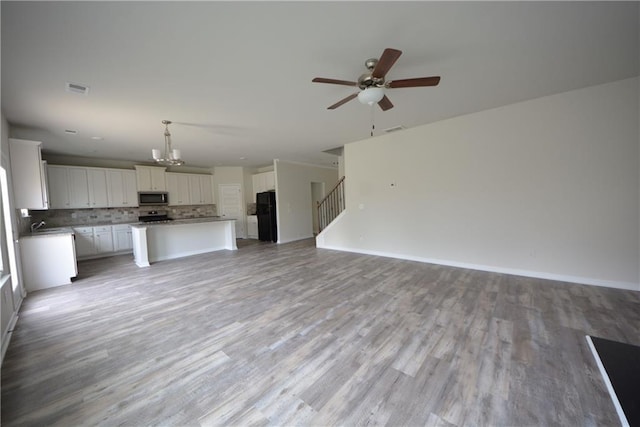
[[331, 206]]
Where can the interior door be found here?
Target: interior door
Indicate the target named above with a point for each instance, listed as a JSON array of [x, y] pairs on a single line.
[[231, 206]]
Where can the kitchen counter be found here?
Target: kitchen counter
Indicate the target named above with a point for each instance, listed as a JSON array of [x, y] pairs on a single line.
[[179, 238], [181, 221], [48, 232]]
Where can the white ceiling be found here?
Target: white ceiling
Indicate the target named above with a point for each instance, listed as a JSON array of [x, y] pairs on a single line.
[[235, 77]]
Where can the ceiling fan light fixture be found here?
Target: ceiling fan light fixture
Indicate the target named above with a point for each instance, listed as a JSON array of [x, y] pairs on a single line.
[[371, 95], [171, 156]]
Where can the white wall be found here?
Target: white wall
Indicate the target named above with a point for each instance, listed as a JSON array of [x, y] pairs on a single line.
[[293, 197], [545, 188]]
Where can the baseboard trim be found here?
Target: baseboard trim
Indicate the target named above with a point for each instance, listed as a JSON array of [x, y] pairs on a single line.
[[6, 338], [629, 286]]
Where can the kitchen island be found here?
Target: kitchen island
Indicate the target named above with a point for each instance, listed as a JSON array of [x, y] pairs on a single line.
[[48, 258], [180, 238]]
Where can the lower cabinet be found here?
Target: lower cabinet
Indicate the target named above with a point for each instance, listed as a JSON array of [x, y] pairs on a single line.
[[252, 226], [104, 240], [84, 241], [122, 240]]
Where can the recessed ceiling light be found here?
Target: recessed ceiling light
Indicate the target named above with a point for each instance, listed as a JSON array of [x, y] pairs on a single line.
[[243, 158], [70, 131], [97, 138]]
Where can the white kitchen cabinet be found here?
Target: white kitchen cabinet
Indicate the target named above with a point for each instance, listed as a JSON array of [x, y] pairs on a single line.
[[93, 242], [103, 239], [265, 181], [77, 187], [84, 241], [200, 189], [87, 187], [28, 175], [122, 188], [178, 188], [122, 240], [130, 188], [73, 187], [78, 182], [58, 187], [206, 186], [98, 194], [195, 191], [269, 181], [252, 226], [48, 260], [151, 178], [189, 189]]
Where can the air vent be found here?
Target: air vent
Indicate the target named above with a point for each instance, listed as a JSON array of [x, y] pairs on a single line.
[[77, 88], [394, 129]]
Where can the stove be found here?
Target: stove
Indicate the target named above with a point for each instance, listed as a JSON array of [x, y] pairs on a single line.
[[155, 217]]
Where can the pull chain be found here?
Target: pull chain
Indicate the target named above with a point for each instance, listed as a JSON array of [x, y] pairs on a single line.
[[373, 126]]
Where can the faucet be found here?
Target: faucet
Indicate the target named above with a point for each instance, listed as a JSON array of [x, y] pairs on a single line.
[[37, 225]]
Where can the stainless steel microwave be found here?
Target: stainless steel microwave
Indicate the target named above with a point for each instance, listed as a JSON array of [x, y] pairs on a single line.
[[153, 198]]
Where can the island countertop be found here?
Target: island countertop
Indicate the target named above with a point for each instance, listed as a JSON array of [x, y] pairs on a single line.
[[181, 221]]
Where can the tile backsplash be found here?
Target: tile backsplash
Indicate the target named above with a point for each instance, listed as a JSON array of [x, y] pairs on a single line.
[[72, 217]]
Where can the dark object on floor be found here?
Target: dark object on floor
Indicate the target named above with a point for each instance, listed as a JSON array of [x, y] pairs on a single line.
[[621, 363]]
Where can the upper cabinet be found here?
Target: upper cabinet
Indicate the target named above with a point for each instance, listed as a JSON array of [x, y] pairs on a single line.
[[178, 188], [189, 189], [262, 182], [151, 178], [201, 189], [28, 175], [58, 187], [73, 187], [122, 188], [87, 187]]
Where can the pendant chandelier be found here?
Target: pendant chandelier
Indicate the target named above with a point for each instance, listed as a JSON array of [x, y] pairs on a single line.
[[171, 157]]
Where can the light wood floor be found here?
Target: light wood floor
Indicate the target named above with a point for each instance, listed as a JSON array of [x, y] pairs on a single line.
[[294, 335]]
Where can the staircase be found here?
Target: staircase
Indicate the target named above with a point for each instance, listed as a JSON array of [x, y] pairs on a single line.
[[331, 206]]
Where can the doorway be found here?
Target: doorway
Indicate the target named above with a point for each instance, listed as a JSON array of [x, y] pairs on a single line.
[[231, 206]]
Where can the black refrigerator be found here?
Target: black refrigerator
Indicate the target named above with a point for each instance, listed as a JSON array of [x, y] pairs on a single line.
[[266, 212]]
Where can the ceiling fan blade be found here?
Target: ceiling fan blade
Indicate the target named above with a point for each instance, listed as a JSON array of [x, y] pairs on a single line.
[[386, 61], [417, 82], [385, 103], [342, 101], [333, 81]]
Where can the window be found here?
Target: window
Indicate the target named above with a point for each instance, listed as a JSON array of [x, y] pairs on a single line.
[[7, 248]]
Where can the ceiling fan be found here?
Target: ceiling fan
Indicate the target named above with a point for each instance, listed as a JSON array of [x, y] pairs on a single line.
[[373, 84]]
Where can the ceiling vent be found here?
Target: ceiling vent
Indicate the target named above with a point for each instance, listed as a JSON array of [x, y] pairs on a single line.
[[394, 129], [77, 88]]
